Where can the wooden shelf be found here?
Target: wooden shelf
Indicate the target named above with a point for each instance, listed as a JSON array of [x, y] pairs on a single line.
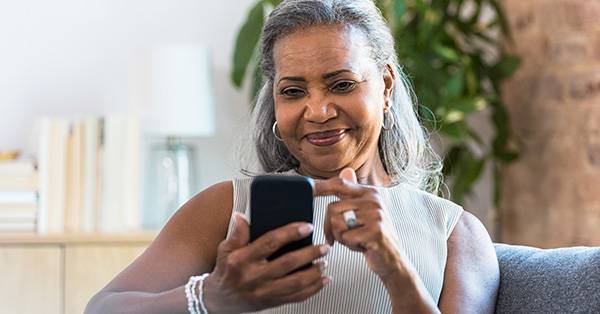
[[75, 238], [61, 272]]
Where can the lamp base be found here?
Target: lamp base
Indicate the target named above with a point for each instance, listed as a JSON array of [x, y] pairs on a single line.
[[169, 182]]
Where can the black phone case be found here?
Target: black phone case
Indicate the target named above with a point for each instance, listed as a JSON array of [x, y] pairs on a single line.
[[277, 200]]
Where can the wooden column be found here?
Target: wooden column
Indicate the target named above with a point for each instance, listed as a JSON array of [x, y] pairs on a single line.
[[552, 194]]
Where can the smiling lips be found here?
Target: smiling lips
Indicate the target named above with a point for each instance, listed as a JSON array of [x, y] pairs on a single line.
[[326, 138]]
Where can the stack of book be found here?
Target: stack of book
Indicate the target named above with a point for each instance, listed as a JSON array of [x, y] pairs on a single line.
[[18, 196], [89, 175]]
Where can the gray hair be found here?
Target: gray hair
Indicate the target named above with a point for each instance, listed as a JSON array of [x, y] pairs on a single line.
[[404, 149]]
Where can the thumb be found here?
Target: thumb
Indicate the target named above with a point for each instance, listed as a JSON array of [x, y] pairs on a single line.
[[348, 174], [240, 236]]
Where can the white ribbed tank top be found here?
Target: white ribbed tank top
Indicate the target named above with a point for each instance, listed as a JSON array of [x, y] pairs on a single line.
[[423, 223]]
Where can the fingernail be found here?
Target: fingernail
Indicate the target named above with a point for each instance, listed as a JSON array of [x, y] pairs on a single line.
[[324, 249], [326, 280], [323, 265], [305, 229]]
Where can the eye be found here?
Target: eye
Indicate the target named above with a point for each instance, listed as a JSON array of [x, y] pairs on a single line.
[[292, 92], [343, 86]]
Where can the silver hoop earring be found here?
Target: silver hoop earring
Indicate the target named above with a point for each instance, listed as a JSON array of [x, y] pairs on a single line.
[[274, 129], [392, 123]]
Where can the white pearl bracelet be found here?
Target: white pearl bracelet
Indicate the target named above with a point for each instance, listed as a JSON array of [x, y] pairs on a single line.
[[196, 302]]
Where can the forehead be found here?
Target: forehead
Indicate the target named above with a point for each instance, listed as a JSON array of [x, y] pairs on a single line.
[[320, 49]]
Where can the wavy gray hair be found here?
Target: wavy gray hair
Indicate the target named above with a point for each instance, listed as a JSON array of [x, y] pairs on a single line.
[[405, 149]]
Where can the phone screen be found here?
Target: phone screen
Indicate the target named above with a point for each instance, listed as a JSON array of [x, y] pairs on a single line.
[[277, 200]]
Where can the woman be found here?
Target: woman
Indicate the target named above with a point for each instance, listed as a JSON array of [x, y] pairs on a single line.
[[335, 108]]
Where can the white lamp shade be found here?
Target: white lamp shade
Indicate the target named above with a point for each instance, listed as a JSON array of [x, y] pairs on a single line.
[[178, 100]]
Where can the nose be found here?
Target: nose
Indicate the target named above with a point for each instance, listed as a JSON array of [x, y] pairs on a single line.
[[319, 110]]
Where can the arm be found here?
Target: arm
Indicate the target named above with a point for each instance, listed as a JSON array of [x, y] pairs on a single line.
[[375, 238], [186, 246], [241, 278], [472, 274], [471, 277]]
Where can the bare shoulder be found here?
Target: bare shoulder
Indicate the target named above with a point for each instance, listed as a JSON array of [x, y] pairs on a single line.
[[207, 210], [472, 275], [469, 233], [186, 245]]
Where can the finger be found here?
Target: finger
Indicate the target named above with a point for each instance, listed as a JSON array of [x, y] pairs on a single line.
[[327, 229], [356, 204], [273, 240], [308, 292], [335, 211], [291, 284], [359, 239], [291, 261], [349, 174], [239, 237], [368, 236], [339, 187], [365, 220], [339, 207], [339, 226]]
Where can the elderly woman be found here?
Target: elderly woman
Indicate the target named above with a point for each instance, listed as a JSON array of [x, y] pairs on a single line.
[[335, 107]]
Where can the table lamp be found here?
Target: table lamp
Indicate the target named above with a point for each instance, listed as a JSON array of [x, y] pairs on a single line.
[[178, 108]]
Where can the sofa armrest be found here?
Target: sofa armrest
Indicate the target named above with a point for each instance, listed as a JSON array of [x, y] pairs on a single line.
[[532, 280]]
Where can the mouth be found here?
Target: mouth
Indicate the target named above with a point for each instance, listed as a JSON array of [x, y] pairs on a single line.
[[326, 138]]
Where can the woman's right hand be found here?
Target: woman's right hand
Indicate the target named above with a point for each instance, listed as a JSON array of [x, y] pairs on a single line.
[[244, 281]]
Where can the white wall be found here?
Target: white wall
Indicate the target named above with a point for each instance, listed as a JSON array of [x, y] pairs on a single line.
[[70, 57]]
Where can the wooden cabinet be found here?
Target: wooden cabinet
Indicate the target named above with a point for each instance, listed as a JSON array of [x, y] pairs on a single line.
[[59, 274], [31, 279]]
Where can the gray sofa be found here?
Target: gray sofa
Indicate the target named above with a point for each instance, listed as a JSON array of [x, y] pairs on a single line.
[[532, 280]]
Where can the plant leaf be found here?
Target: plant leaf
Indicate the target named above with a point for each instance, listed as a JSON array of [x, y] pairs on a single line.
[[455, 132], [475, 137], [246, 43], [399, 8], [473, 173], [471, 80], [446, 53], [469, 105], [451, 158], [274, 3], [505, 67], [455, 86], [469, 169]]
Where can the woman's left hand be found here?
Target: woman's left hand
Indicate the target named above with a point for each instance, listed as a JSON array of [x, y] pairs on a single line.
[[373, 234]]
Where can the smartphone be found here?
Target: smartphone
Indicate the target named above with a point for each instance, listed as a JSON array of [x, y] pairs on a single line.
[[277, 200]]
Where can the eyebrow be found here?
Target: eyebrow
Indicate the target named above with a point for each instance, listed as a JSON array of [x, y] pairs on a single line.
[[324, 76], [335, 73]]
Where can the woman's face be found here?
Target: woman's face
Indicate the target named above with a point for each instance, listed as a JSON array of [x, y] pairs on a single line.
[[330, 98]]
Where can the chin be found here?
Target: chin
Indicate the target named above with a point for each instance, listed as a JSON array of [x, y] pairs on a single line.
[[328, 164], [326, 159]]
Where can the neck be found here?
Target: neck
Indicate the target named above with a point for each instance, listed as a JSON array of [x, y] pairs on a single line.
[[370, 172], [373, 174]]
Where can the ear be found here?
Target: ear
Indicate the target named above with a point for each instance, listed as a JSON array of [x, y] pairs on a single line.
[[389, 76]]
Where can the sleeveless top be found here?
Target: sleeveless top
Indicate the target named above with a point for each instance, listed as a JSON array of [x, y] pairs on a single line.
[[423, 223]]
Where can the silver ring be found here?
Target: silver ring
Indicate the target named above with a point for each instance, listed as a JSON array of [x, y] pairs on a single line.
[[350, 218]]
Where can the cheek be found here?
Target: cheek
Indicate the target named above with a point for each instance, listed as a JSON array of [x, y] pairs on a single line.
[[366, 112], [287, 116]]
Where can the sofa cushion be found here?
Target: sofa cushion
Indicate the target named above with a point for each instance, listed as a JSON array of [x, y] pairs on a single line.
[[532, 280]]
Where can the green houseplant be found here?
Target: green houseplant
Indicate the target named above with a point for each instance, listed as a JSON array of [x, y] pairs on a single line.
[[452, 51]]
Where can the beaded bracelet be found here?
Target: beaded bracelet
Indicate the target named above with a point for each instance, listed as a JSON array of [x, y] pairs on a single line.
[[196, 302], [189, 295], [201, 293]]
